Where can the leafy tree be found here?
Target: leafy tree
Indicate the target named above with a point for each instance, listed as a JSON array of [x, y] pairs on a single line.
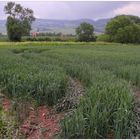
[[85, 32], [14, 29], [124, 29], [19, 21], [133, 18], [116, 23], [128, 34]]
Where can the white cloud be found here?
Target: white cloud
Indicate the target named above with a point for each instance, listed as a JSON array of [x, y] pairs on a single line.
[[129, 9]]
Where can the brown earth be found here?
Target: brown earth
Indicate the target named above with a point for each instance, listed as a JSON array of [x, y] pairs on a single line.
[[74, 93], [44, 122], [6, 103], [136, 122], [41, 123], [136, 94]]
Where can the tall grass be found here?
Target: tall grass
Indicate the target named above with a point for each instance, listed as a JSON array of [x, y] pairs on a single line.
[[45, 85], [105, 112], [38, 72]]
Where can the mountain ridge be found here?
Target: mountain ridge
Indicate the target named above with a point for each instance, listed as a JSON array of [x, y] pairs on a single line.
[[65, 26]]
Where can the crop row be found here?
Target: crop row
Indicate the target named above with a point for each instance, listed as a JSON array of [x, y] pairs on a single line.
[[107, 73]]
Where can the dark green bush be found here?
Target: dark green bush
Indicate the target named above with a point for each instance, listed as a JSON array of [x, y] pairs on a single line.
[[38, 39], [104, 37]]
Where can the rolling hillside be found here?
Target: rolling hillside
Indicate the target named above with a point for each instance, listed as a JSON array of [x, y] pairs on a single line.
[[64, 26]]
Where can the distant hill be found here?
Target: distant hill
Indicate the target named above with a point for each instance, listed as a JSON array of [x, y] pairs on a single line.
[[2, 26], [64, 26]]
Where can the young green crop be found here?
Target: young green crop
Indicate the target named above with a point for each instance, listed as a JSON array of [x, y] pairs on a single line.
[[106, 110], [38, 72]]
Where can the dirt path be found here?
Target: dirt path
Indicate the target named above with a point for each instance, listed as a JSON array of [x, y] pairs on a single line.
[[5, 102], [137, 94], [44, 122], [41, 123], [136, 123], [74, 92]]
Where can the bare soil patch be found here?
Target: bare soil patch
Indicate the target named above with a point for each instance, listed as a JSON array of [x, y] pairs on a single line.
[[5, 102], [136, 122], [74, 93], [44, 122]]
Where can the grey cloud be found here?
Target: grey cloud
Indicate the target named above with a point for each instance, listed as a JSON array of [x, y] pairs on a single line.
[[71, 10]]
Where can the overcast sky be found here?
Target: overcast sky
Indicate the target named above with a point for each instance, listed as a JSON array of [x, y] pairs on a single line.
[[78, 10]]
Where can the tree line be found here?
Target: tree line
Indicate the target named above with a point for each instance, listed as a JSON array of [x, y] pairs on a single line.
[[121, 29]]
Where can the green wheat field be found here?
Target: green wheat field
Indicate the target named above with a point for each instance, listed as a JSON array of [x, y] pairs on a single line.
[[108, 72]]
